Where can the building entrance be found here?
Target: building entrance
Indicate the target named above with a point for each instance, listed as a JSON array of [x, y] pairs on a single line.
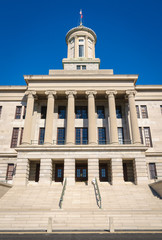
[[81, 172], [103, 172], [59, 172]]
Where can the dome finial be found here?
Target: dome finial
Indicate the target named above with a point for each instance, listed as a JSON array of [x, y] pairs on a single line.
[[81, 16]]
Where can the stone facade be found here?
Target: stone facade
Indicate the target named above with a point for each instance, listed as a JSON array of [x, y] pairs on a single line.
[[112, 150]]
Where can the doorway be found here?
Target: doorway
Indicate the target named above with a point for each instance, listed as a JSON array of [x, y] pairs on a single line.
[[128, 170], [81, 171], [34, 171], [59, 172]]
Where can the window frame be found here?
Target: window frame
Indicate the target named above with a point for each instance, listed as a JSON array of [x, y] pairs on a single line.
[[81, 140], [101, 135], [59, 113], [102, 116], [60, 141], [147, 143], [121, 139], [8, 176], [144, 112], [119, 114], [14, 138], [41, 136], [18, 112], [82, 114], [153, 171]]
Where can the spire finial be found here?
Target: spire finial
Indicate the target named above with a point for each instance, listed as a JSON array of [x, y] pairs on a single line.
[[81, 16]]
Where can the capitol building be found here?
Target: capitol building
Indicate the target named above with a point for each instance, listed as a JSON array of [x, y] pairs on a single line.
[[80, 147]]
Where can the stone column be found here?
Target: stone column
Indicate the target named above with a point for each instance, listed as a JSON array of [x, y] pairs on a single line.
[[117, 171], [45, 172], [92, 139], [28, 118], [69, 171], [112, 117], [86, 46], [70, 130], [133, 117], [49, 118], [76, 55], [22, 172], [93, 169]]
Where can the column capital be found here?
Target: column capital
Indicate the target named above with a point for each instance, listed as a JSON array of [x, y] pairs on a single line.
[[111, 92], [30, 93], [131, 93], [50, 93], [71, 93], [91, 93]]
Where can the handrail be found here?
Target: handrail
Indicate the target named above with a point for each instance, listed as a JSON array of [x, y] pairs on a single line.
[[62, 194], [97, 193]]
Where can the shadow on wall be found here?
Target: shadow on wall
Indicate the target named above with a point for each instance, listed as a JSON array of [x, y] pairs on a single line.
[[4, 187]]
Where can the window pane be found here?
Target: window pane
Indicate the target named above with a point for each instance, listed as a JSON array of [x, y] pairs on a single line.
[[62, 112], [43, 112], [81, 112], [81, 136], [84, 67], [10, 171], [14, 139], [144, 111], [78, 136], [81, 50], [41, 135], [101, 135], [18, 112], [78, 67], [84, 135], [120, 135], [61, 136], [147, 135], [118, 112], [152, 168], [100, 112]]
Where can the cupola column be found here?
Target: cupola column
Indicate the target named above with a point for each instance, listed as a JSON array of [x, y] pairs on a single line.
[[86, 46], [133, 117], [70, 130], [112, 117], [76, 47], [49, 118], [28, 117], [91, 117]]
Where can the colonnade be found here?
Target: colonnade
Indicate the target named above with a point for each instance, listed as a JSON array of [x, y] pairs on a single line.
[[70, 130]]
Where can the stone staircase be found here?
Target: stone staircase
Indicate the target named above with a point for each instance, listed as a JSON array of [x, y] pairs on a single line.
[[29, 208]]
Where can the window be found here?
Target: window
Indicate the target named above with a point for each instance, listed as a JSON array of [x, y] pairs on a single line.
[[81, 112], [152, 168], [147, 135], [100, 112], [81, 136], [78, 67], [43, 112], [21, 135], [102, 135], [81, 47], [10, 171], [144, 111], [84, 67], [81, 67], [137, 110], [141, 136], [41, 135], [14, 139], [161, 108], [61, 136], [24, 113], [0, 111], [120, 135], [118, 112], [61, 112], [18, 112]]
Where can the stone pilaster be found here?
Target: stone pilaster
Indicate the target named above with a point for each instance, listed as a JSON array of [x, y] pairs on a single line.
[[45, 172], [28, 118], [22, 172], [140, 170], [112, 117], [49, 118], [70, 130], [69, 170], [92, 138], [93, 169], [133, 117], [117, 171]]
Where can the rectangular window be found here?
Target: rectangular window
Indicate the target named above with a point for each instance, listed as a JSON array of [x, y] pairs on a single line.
[[84, 67], [81, 136], [10, 171], [100, 112], [43, 112], [147, 134], [21, 135], [24, 113], [61, 136], [18, 112], [144, 111], [120, 135], [61, 112], [14, 139], [101, 135], [0, 111], [41, 135], [141, 136], [81, 112], [78, 67], [118, 112], [81, 50], [137, 111], [152, 168]]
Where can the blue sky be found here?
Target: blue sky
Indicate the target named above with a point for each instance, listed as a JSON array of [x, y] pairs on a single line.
[[32, 36]]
